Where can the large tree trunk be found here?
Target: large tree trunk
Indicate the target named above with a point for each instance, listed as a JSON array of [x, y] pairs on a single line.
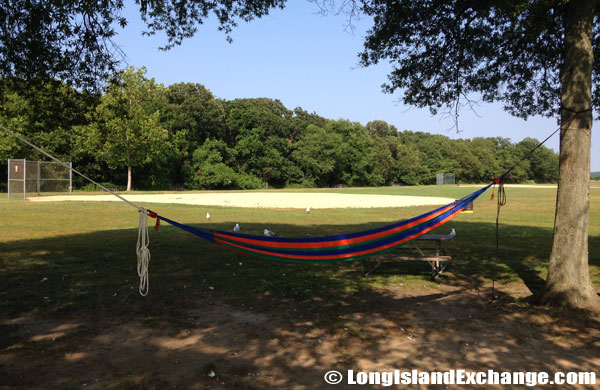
[[568, 283]]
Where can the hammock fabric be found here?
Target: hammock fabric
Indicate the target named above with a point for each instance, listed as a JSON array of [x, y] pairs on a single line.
[[337, 248]]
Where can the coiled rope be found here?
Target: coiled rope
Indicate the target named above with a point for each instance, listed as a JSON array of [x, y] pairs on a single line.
[[143, 255]]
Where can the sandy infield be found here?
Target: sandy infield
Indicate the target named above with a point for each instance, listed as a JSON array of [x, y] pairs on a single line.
[[276, 200]]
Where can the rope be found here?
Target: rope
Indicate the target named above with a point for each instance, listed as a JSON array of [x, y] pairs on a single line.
[[500, 202], [568, 124], [143, 255]]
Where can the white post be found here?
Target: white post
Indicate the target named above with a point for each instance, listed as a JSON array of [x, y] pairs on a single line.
[[70, 177]]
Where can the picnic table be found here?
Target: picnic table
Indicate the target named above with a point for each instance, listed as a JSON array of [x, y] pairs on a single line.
[[428, 247]]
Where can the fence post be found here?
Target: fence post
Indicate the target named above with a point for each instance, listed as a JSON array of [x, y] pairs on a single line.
[[8, 188], [38, 177], [24, 179]]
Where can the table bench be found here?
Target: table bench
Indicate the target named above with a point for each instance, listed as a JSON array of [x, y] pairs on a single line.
[[435, 255]]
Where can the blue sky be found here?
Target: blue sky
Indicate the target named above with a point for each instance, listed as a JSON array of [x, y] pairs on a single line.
[[308, 60]]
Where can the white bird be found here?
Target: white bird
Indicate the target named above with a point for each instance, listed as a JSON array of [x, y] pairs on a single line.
[[208, 216], [307, 210], [236, 228], [268, 233], [453, 232]]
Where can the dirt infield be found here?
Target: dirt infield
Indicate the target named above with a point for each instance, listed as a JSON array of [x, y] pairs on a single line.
[[276, 200]]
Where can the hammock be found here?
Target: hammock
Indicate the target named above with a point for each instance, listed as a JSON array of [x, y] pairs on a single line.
[[329, 249]]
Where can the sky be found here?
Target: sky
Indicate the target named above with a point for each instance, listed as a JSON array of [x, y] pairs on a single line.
[[309, 60]]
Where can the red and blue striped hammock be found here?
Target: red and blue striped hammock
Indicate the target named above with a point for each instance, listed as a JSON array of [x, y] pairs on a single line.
[[345, 247]]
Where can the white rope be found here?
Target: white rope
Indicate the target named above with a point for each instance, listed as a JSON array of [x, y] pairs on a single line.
[[143, 254]]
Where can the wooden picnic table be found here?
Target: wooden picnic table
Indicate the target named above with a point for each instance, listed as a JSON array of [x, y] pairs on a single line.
[[435, 255]]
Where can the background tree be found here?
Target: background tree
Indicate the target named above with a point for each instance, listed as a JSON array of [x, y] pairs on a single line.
[[262, 132], [212, 164], [191, 115], [318, 154], [125, 130], [543, 163], [381, 128]]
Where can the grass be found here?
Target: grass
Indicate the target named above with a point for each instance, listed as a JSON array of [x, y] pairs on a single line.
[[57, 257]]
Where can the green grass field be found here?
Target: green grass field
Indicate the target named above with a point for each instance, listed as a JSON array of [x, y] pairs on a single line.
[[87, 250]]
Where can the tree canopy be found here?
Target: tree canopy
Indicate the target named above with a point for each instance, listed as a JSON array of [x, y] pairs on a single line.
[[73, 41]]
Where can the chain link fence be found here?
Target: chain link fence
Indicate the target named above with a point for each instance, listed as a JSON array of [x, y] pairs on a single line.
[[29, 178]]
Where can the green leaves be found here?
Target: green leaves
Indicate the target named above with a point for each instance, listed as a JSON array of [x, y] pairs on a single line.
[[72, 41], [212, 168], [442, 52]]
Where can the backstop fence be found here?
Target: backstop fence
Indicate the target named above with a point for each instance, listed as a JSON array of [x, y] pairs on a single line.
[[27, 178], [444, 178]]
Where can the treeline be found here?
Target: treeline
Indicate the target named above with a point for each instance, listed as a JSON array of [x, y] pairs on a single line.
[[160, 137]]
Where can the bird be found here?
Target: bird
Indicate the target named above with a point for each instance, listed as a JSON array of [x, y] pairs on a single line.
[[236, 228], [208, 216], [453, 232], [268, 233], [307, 210]]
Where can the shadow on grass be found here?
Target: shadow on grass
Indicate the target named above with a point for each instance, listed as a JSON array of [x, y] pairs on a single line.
[[72, 314]]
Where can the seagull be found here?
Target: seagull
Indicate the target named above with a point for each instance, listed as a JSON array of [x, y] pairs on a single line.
[[307, 210], [268, 233], [208, 216], [236, 228], [453, 232]]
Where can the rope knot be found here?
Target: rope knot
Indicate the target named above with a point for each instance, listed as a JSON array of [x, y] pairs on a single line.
[[152, 214]]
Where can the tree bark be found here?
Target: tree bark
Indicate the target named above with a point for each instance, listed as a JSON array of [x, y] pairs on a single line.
[[129, 178], [568, 283]]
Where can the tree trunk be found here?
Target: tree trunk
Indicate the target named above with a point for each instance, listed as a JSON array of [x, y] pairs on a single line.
[[568, 283], [129, 178]]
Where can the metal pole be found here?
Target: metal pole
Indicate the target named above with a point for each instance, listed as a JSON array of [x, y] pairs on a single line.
[[38, 177], [24, 179], [8, 178], [70, 177]]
